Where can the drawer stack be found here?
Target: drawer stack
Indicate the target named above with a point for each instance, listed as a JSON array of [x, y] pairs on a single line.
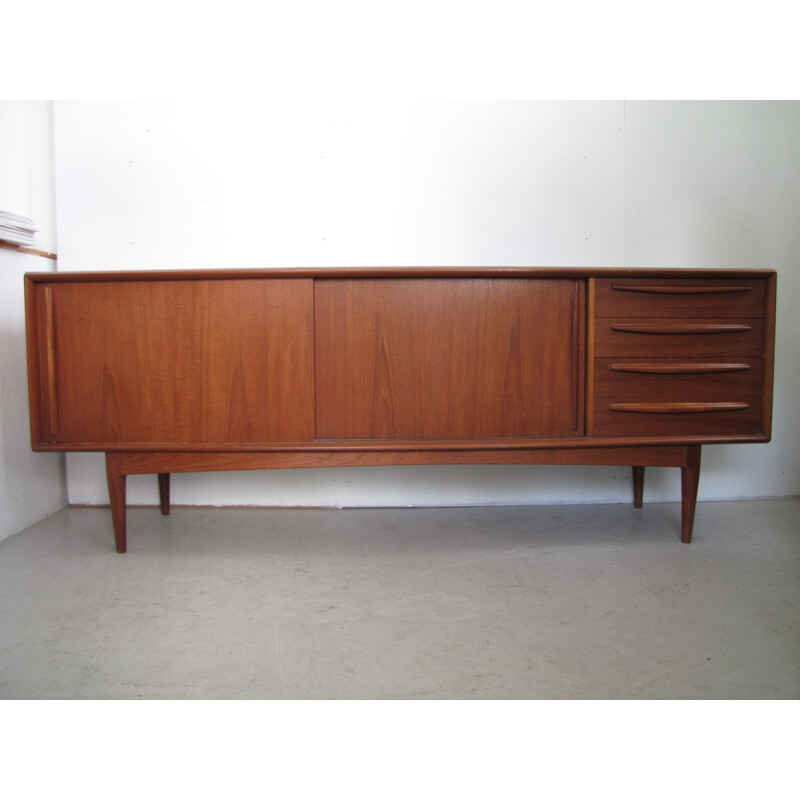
[[678, 357]]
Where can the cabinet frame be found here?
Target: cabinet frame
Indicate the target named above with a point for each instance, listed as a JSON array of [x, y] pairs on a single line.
[[581, 447]]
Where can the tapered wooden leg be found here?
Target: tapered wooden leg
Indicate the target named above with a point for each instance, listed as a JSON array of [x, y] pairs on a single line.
[[116, 494], [690, 478], [163, 491], [638, 486]]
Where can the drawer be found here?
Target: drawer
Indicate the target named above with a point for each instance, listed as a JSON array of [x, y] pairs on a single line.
[[669, 338], [678, 379], [721, 417], [651, 297]]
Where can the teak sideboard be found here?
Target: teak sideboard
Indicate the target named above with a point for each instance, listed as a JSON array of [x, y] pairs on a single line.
[[188, 371]]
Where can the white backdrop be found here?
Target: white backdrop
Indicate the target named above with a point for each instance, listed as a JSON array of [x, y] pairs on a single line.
[[183, 185], [32, 485]]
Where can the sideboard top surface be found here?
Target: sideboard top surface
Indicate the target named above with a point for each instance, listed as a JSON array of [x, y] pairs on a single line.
[[396, 272]]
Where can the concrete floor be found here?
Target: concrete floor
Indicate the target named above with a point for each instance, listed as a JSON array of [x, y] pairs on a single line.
[[523, 602]]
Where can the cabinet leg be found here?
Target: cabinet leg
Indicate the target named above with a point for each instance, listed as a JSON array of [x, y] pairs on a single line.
[[163, 491], [638, 486], [690, 478], [116, 494]]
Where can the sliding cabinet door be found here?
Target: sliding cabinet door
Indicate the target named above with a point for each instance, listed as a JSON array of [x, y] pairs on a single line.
[[177, 361], [448, 358]]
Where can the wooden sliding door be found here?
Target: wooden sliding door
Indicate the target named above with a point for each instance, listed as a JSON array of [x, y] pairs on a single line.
[[179, 361], [456, 358]]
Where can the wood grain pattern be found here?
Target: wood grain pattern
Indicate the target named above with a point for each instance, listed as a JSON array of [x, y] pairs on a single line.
[[769, 350], [671, 378], [256, 369], [577, 355], [680, 357], [591, 285], [679, 367], [680, 297], [399, 446], [677, 407], [184, 361], [691, 338], [33, 337], [448, 359], [631, 385], [449, 272], [681, 328], [672, 288], [49, 371], [116, 479], [690, 479], [159, 462], [706, 421]]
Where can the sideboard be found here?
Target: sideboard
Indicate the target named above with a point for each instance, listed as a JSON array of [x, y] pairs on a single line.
[[204, 370]]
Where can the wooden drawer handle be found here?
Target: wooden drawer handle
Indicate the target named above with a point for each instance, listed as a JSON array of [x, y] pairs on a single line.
[[677, 408], [645, 288], [682, 328], [679, 369]]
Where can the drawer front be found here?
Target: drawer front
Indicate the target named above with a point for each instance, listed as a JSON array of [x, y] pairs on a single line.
[[678, 380], [642, 417], [677, 397], [645, 336], [636, 297]]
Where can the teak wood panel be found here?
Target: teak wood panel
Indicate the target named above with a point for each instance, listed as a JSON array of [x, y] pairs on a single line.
[[635, 297], [195, 371], [182, 361], [679, 378], [664, 419], [449, 359], [654, 337]]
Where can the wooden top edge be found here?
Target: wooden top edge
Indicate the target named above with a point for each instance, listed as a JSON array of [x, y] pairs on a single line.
[[396, 272]]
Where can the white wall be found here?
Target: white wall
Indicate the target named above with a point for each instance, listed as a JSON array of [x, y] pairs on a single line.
[[716, 185], [32, 485], [159, 185], [181, 185]]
